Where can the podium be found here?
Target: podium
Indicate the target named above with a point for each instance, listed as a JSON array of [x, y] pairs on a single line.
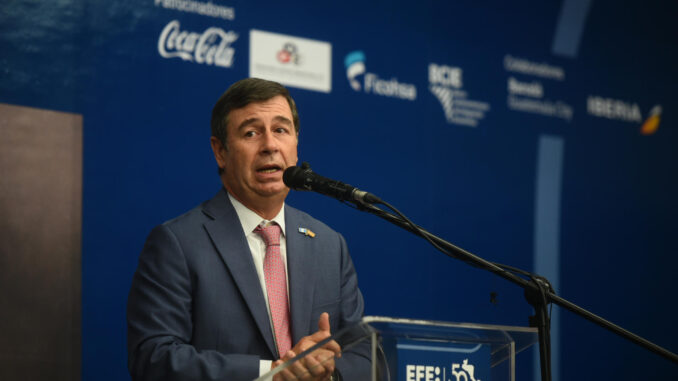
[[419, 350]]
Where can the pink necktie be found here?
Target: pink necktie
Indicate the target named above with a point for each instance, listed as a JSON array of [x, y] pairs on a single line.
[[276, 287]]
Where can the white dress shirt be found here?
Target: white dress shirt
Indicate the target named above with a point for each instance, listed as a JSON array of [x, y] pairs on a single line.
[[249, 220]]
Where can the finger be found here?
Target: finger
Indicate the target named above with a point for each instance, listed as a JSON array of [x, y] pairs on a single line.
[[317, 337], [300, 371], [324, 322], [307, 342], [278, 376], [334, 347], [288, 355], [304, 344], [330, 345], [288, 375], [326, 360], [284, 375], [324, 326], [315, 367]]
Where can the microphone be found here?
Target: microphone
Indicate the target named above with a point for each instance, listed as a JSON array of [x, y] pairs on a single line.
[[304, 179]]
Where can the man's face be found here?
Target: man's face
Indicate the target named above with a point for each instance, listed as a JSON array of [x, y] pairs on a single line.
[[261, 143]]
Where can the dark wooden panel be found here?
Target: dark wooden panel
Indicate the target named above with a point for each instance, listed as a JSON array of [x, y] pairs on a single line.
[[40, 240]]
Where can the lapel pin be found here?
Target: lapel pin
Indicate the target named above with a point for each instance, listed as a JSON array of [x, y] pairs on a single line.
[[307, 232]]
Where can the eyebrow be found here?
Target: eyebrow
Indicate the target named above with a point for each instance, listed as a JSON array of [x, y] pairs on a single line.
[[283, 120], [278, 118]]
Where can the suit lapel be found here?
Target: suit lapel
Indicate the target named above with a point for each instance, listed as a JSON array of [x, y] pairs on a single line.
[[226, 233], [301, 263]]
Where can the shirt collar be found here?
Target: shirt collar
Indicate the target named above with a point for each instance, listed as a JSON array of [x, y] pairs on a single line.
[[250, 220]]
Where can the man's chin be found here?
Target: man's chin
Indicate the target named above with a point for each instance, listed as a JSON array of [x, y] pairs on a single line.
[[272, 192]]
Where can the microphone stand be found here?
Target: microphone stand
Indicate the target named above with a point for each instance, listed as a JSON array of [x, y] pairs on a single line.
[[538, 291]]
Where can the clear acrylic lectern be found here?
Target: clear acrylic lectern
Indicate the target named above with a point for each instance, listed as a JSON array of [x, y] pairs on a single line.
[[418, 350]]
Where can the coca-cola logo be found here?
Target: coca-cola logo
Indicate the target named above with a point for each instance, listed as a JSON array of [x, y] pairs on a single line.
[[211, 47]]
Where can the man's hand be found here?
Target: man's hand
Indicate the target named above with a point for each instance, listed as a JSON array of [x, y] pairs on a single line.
[[317, 365]]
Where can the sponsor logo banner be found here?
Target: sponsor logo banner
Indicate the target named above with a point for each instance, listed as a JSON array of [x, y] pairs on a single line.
[[372, 83], [651, 124], [211, 47], [446, 83], [199, 7], [624, 111], [439, 361], [528, 96], [613, 109], [537, 69], [290, 60]]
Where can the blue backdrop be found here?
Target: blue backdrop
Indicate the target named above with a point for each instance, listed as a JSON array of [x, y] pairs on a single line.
[[536, 134]]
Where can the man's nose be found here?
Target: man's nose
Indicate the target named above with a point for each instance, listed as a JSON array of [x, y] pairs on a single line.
[[269, 142]]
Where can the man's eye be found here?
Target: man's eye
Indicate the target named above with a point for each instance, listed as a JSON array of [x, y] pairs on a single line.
[[281, 130], [249, 134]]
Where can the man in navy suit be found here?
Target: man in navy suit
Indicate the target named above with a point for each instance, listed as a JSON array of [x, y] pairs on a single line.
[[199, 308]]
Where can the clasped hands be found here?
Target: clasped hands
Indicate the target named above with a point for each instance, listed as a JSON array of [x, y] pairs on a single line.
[[317, 365]]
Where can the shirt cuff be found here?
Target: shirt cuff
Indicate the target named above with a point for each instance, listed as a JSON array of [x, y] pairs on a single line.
[[264, 367]]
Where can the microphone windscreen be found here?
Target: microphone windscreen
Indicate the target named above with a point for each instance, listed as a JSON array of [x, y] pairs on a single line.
[[293, 177]]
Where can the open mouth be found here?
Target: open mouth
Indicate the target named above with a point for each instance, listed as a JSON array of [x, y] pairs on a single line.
[[269, 169]]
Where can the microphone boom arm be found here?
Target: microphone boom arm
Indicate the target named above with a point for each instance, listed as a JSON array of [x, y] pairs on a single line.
[[456, 252]]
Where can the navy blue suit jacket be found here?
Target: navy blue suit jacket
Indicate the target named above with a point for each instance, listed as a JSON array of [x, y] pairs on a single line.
[[196, 310]]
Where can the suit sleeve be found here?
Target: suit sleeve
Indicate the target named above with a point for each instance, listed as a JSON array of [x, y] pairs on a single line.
[[355, 361], [159, 321]]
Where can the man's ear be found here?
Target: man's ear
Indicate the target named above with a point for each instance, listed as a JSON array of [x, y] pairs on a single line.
[[219, 151]]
